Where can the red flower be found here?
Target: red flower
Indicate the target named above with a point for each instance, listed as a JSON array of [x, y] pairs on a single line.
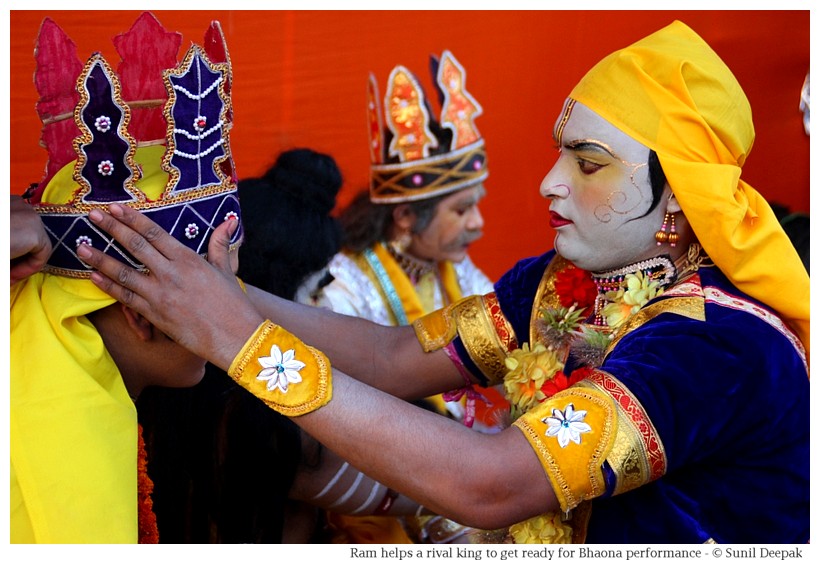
[[561, 381], [556, 384], [575, 286]]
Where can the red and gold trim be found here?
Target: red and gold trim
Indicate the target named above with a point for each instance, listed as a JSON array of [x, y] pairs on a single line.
[[693, 308], [485, 332], [637, 456]]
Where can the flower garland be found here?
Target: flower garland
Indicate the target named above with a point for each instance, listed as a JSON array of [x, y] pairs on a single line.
[[146, 519], [536, 373], [636, 290]]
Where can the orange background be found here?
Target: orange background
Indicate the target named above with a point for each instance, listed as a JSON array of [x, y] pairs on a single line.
[[300, 81]]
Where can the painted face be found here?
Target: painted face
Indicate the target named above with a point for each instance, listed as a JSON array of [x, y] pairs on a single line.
[[599, 193], [456, 224]]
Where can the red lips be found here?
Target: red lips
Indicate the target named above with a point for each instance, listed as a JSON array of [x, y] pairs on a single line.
[[557, 220]]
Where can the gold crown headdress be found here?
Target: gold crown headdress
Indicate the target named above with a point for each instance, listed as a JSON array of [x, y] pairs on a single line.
[[153, 136], [416, 157]]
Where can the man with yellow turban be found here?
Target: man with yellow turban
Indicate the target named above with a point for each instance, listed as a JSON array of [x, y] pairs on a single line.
[[656, 358]]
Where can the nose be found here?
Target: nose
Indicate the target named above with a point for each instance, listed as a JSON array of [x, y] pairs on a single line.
[[475, 221], [554, 186]]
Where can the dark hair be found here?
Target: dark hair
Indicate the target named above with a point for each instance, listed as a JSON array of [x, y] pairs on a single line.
[[657, 179], [796, 226], [365, 223], [222, 462], [289, 232]]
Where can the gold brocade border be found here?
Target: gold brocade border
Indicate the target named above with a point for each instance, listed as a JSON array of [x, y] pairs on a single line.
[[477, 327], [691, 307], [575, 470], [311, 393], [485, 332], [545, 296], [638, 455]]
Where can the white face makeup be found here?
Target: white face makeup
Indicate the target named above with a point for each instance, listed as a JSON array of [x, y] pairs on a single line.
[[599, 194], [456, 224]]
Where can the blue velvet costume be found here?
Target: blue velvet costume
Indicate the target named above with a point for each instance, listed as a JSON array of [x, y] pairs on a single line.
[[727, 398]]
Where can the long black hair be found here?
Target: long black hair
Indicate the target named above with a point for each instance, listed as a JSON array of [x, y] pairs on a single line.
[[222, 462]]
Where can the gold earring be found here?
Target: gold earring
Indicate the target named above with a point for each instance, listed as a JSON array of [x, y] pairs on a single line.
[[661, 236]]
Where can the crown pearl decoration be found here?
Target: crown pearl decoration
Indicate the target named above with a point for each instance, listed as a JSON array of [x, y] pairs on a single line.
[[413, 156], [154, 136]]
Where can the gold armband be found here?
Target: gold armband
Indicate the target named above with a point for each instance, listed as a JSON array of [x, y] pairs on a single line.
[[485, 333], [278, 368], [572, 433]]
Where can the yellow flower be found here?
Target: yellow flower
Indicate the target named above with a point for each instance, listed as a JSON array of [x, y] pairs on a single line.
[[628, 300], [528, 371], [544, 529]]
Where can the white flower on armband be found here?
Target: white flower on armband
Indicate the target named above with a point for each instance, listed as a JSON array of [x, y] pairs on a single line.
[[567, 425], [280, 370]]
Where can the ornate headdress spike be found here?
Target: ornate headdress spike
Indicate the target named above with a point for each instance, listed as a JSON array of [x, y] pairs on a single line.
[[165, 151], [55, 79], [141, 76], [407, 117], [458, 109], [374, 119], [416, 157]]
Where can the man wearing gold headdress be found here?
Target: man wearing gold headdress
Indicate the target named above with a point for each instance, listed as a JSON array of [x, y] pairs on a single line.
[[406, 239], [668, 405]]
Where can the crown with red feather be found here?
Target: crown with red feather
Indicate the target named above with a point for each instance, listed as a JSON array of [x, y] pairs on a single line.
[[154, 136], [414, 156]]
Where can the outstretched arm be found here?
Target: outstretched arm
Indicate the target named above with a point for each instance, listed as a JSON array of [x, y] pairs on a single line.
[[485, 481], [30, 246], [389, 358]]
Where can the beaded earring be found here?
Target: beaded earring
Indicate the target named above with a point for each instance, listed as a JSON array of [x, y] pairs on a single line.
[[661, 236]]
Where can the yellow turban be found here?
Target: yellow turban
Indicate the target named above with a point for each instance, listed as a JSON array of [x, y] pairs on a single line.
[[671, 92]]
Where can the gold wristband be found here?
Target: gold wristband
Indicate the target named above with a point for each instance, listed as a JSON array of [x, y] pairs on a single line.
[[278, 368]]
